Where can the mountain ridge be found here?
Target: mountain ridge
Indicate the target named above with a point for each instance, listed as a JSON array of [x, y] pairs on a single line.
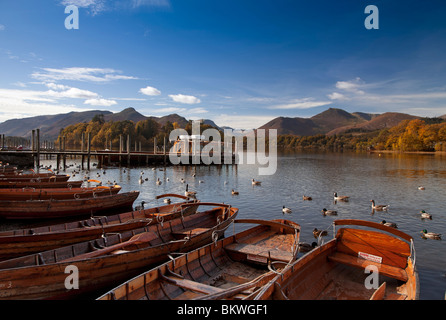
[[329, 122]]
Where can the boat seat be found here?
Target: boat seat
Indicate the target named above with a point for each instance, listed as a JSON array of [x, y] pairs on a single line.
[[379, 293], [187, 232], [191, 285], [259, 254], [387, 270]]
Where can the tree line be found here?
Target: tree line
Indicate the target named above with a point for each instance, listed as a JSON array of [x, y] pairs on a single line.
[[103, 133], [428, 134]]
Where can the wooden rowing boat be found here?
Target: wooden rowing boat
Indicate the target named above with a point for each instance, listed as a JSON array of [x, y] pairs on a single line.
[[233, 268], [57, 193], [49, 209], [40, 184], [18, 174], [365, 260], [34, 178], [20, 242], [107, 261]]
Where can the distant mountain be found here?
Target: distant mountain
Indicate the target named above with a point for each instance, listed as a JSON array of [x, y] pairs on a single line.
[[126, 114], [49, 125], [296, 126], [335, 121], [383, 121]]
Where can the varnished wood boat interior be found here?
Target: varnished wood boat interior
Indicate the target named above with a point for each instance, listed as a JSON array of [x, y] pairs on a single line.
[[337, 269], [20, 242], [156, 213], [232, 268], [172, 230]]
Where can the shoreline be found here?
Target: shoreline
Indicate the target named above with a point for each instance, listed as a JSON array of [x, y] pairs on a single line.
[[409, 152]]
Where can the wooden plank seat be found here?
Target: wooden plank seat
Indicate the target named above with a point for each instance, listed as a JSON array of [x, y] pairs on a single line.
[[387, 270], [188, 232], [191, 285], [259, 254]]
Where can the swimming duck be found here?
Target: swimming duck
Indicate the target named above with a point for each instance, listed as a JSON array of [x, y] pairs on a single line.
[[329, 212], [340, 198], [307, 198], [425, 215], [141, 207], [233, 192], [158, 181], [421, 188], [255, 183], [317, 233], [378, 207], [286, 210], [305, 247], [141, 180], [167, 200], [182, 180], [389, 224], [430, 235]]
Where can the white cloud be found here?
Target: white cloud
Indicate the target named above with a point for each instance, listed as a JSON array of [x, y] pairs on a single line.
[[150, 91], [337, 96], [241, 121], [55, 86], [95, 6], [197, 110], [350, 86], [2, 27], [79, 74], [181, 98], [305, 103], [73, 93], [100, 102]]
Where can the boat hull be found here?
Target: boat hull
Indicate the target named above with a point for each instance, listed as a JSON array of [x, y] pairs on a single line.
[[44, 275], [234, 267], [17, 194], [51, 209], [337, 269], [16, 243], [41, 184]]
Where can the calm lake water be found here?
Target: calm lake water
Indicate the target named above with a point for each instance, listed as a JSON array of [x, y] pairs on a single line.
[[391, 179]]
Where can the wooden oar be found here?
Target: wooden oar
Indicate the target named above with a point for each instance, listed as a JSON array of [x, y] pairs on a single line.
[[136, 239], [259, 281]]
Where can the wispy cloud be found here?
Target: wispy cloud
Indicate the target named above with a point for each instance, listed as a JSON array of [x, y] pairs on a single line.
[[305, 103], [398, 96], [95, 6], [169, 110], [150, 3], [181, 98], [2, 27], [80, 74]]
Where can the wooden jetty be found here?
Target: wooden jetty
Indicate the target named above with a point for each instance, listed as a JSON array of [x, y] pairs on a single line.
[[105, 157]]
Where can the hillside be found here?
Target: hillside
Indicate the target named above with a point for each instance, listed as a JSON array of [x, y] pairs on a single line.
[[384, 121], [49, 125], [319, 124], [335, 121]]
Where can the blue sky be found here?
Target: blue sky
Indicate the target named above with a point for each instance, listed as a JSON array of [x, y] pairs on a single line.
[[240, 63]]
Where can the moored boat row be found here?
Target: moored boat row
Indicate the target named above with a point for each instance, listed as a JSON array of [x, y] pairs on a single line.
[[181, 251], [334, 270]]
